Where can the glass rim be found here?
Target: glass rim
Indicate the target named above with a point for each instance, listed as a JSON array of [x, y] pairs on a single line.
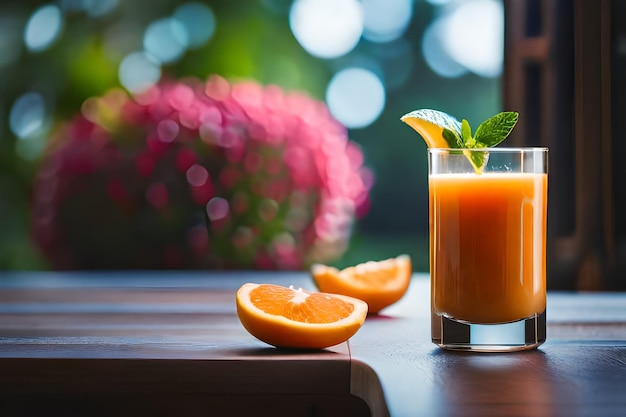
[[517, 149]]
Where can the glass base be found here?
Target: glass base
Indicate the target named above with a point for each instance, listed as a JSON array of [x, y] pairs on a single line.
[[523, 334]]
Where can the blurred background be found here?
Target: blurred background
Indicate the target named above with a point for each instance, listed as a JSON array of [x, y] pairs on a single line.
[[367, 62]]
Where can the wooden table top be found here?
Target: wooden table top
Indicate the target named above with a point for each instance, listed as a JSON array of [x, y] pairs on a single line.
[[170, 343]]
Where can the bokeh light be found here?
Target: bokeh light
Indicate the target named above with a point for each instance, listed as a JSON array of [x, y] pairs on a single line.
[[327, 28], [466, 36], [355, 97], [138, 72], [198, 21], [28, 122], [435, 54], [27, 115], [167, 130], [43, 28], [474, 36], [166, 40], [385, 20], [217, 208], [197, 175]]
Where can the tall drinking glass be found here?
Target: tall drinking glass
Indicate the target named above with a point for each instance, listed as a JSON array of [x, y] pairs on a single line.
[[488, 249]]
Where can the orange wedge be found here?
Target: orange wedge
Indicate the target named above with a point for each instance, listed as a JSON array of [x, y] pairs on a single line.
[[289, 318], [378, 283], [430, 124]]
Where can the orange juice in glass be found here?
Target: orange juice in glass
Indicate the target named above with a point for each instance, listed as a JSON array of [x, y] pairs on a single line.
[[488, 249]]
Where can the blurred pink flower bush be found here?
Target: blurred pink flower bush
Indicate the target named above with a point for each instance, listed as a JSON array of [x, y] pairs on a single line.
[[199, 175]]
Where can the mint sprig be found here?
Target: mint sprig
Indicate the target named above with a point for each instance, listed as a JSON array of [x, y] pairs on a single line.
[[489, 134], [495, 129]]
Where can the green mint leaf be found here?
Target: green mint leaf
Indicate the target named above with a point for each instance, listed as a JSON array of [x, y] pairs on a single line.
[[466, 132], [495, 129], [452, 138]]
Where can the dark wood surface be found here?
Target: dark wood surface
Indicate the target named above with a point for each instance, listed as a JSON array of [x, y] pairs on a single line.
[[157, 343]]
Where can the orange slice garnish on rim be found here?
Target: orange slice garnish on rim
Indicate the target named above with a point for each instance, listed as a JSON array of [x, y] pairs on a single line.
[[290, 318], [430, 124], [378, 283]]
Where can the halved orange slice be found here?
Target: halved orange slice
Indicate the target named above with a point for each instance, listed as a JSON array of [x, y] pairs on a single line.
[[290, 318], [378, 283], [430, 124]]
